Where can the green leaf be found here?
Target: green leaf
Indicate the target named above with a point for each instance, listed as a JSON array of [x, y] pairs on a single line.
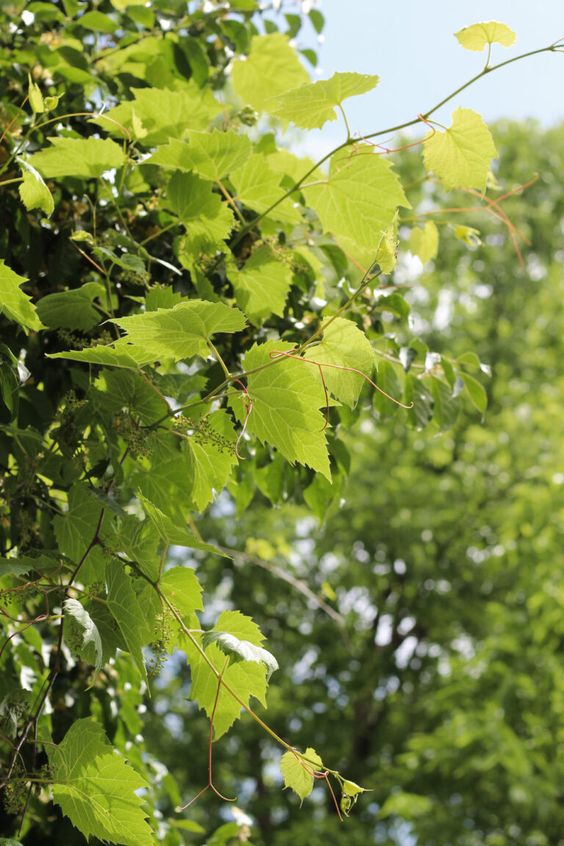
[[262, 285], [76, 529], [297, 770], [271, 68], [14, 303], [106, 356], [96, 789], [258, 187], [178, 332], [461, 156], [72, 309], [87, 158], [127, 612], [172, 533], [118, 390], [98, 22], [207, 219], [91, 633], [246, 680], [359, 198], [34, 193], [35, 96], [286, 400], [211, 154], [480, 35], [424, 242], [445, 409], [181, 587], [311, 106], [157, 115], [211, 458], [344, 345], [476, 392]]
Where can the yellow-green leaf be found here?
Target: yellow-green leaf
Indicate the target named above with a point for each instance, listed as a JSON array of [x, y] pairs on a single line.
[[461, 155], [310, 106], [271, 68], [479, 35]]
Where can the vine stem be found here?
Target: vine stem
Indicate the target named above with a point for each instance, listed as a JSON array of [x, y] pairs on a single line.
[[551, 48], [221, 681]]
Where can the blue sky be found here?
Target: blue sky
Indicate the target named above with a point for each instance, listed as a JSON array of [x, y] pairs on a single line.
[[410, 45]]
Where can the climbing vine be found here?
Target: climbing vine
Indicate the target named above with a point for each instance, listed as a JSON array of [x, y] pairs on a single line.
[[191, 314]]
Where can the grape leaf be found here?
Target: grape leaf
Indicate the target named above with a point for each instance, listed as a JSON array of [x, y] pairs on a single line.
[[424, 241], [14, 303], [33, 192], [158, 114], [461, 155], [72, 309], [262, 285], [345, 345], [86, 158], [91, 633], [211, 154], [359, 198], [178, 332], [96, 789], [286, 400], [479, 35], [258, 186], [76, 529], [271, 68], [127, 612], [245, 678], [172, 533], [297, 770], [211, 458], [107, 356], [181, 587], [311, 106]]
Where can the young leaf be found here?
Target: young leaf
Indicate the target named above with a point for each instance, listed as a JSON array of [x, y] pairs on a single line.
[[86, 158], [480, 35], [343, 344], [35, 96], [33, 192], [14, 303], [96, 789], [286, 400], [262, 285], [271, 68], [91, 633], [359, 198], [241, 649], [311, 106], [461, 155], [178, 332], [424, 241], [297, 770]]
